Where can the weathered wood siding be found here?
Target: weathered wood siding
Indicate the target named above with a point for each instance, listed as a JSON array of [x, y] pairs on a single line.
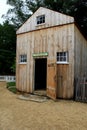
[[80, 54], [24, 72], [52, 18], [51, 40], [65, 72]]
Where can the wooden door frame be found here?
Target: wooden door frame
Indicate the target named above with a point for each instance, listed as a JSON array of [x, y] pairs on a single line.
[[34, 72]]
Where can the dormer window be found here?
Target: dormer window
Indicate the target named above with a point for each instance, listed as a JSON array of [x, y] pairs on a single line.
[[40, 19]]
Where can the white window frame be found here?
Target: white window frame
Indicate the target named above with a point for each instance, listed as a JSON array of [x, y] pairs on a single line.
[[62, 55], [40, 19], [23, 59]]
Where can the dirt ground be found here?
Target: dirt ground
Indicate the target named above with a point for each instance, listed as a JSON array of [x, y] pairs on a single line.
[[18, 114]]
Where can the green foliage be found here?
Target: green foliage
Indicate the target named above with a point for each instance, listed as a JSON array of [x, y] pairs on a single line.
[[13, 67], [33, 5], [9, 84], [81, 15], [12, 87], [18, 13], [7, 48]]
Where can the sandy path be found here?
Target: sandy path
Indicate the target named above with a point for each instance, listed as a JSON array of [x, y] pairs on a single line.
[[18, 114]]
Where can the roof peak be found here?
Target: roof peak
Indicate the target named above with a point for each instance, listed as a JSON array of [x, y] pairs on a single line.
[[52, 18]]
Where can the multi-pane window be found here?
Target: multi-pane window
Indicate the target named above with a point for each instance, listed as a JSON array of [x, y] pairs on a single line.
[[23, 58], [62, 57], [41, 19]]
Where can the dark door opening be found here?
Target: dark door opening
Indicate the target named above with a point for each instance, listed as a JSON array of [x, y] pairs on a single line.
[[40, 74]]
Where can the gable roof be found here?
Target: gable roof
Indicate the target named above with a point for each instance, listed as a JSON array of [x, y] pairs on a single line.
[[52, 18]]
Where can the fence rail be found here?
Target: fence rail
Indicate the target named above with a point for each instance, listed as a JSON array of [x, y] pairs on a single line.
[[81, 89], [8, 78]]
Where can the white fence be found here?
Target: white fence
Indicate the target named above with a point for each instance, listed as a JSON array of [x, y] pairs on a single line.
[[8, 78]]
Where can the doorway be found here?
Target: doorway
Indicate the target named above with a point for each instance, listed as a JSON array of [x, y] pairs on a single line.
[[40, 74]]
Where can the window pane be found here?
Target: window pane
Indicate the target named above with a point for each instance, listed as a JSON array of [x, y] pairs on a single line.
[[62, 57], [64, 53], [58, 59], [23, 58], [41, 19], [58, 54], [61, 53]]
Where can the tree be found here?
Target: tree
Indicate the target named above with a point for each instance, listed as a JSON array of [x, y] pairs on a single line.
[[33, 5], [18, 13], [80, 16], [7, 47]]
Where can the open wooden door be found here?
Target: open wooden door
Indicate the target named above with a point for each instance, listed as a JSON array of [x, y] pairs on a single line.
[[51, 80]]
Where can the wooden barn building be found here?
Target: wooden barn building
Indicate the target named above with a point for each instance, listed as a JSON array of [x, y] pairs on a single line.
[[51, 54]]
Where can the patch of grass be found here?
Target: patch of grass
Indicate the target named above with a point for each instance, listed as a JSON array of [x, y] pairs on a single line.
[[12, 87], [9, 84]]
